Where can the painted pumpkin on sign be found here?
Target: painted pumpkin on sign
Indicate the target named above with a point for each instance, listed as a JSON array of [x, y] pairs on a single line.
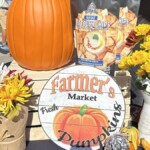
[[81, 124], [39, 33]]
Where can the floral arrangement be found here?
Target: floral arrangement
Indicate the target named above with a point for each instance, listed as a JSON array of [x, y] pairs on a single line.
[[139, 58], [14, 90]]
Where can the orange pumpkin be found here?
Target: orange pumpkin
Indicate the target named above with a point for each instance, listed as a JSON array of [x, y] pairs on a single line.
[[39, 33], [145, 144], [80, 123]]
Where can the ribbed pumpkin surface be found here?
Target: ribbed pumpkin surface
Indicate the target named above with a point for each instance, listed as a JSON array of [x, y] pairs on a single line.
[[39, 33]]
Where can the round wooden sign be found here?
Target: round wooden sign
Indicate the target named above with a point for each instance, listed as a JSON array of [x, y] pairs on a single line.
[[81, 106]]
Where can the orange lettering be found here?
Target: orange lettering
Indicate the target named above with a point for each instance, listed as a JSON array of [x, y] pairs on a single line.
[[93, 82], [54, 85], [81, 83], [70, 78], [62, 87], [102, 83], [111, 92]]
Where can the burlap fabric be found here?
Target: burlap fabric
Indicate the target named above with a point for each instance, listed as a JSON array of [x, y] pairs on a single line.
[[12, 133]]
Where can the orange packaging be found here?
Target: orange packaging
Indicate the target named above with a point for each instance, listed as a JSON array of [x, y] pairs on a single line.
[[127, 21], [96, 32]]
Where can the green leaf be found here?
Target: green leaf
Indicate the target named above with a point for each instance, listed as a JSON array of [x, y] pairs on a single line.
[[139, 85], [95, 37]]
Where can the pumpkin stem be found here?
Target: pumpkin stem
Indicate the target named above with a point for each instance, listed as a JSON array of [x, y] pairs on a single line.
[[83, 110]]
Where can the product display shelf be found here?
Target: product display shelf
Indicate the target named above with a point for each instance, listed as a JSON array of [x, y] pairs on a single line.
[[34, 130]]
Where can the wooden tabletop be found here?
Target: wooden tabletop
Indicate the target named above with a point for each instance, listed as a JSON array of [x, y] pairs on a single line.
[[5, 57]]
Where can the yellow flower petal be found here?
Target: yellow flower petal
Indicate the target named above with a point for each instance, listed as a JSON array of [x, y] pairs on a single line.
[[142, 29], [147, 38], [124, 63], [13, 91], [139, 57], [145, 46], [146, 67], [140, 72]]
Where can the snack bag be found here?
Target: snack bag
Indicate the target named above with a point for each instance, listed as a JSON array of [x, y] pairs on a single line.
[[127, 21], [96, 31]]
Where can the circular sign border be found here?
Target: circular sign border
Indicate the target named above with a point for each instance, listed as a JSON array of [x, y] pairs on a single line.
[[68, 68]]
